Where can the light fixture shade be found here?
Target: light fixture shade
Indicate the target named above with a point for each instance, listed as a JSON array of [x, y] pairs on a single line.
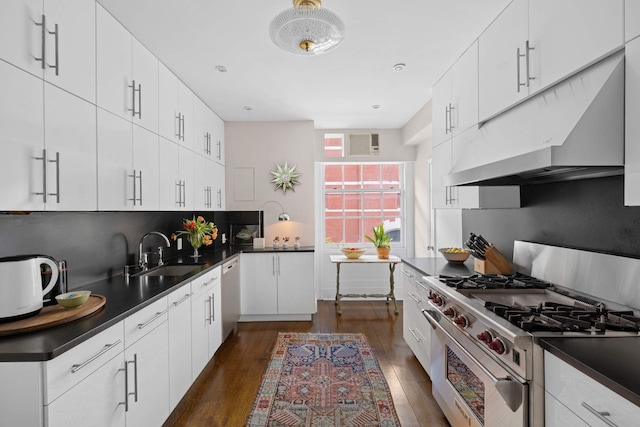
[[307, 30], [284, 216]]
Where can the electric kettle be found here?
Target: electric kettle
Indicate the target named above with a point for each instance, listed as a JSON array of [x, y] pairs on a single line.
[[21, 288]]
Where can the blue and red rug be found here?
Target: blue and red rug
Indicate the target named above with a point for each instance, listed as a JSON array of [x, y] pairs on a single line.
[[327, 380]]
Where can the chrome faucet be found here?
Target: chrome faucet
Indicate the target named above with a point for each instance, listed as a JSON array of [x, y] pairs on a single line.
[[143, 260]]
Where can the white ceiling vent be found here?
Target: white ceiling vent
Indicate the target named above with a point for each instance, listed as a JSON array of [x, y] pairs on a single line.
[[364, 144]]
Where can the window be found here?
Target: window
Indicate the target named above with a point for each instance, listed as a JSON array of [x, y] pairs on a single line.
[[358, 196], [334, 145]]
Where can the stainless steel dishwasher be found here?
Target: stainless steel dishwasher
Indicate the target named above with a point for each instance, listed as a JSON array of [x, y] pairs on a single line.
[[230, 296]]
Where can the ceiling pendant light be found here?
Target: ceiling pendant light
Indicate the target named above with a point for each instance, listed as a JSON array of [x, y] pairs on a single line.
[[307, 28]]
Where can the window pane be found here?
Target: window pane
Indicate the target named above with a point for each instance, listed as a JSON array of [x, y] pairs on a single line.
[[332, 177], [353, 230], [371, 176], [393, 228], [333, 145], [391, 204], [352, 176], [372, 204], [333, 230], [391, 176], [353, 205], [333, 205]]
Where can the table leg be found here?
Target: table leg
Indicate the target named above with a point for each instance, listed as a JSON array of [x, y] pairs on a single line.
[[392, 267], [338, 296]]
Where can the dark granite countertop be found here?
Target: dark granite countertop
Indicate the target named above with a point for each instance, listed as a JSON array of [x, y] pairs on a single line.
[[123, 299], [612, 361], [437, 266]]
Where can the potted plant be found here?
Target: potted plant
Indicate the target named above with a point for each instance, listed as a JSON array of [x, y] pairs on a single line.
[[381, 241]]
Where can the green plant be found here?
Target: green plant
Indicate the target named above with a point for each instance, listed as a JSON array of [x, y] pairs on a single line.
[[380, 238]]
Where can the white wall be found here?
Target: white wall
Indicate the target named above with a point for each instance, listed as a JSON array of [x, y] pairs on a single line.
[[253, 149]]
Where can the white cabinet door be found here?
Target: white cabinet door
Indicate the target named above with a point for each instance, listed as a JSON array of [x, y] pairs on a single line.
[[499, 77], [146, 161], [145, 74], [200, 315], [632, 125], [71, 54], [22, 38], [441, 108], [70, 139], [185, 108], [441, 165], [464, 91], [569, 35], [631, 19], [114, 65], [202, 179], [215, 324], [21, 142], [296, 288], [218, 186], [186, 174], [259, 284], [148, 379], [203, 128], [217, 140], [180, 378], [168, 120], [170, 188], [97, 401], [115, 162]]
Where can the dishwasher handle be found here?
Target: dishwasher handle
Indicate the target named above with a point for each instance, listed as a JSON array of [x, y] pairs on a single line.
[[230, 265]]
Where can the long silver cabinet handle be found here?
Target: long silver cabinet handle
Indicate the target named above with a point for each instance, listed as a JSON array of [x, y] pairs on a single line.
[[140, 101], [406, 273], [148, 322], [413, 297], [56, 34], [518, 56], [77, 367], [184, 298], [451, 126], [135, 377], [57, 162], [43, 36], [208, 301], [135, 188], [179, 126], [213, 310], [220, 198], [133, 99], [140, 192], [126, 386], [528, 54], [44, 174], [210, 281], [219, 150], [414, 335], [602, 415]]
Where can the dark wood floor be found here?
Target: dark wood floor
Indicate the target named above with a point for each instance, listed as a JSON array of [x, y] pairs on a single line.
[[224, 392]]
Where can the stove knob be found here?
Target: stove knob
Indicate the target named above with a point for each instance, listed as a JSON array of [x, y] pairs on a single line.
[[497, 345], [461, 321], [485, 336], [449, 312], [431, 296], [438, 301]]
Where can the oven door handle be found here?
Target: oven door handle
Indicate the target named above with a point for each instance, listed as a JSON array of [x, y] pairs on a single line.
[[510, 390]]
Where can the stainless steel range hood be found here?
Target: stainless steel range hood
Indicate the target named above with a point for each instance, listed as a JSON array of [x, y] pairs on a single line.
[[574, 130]]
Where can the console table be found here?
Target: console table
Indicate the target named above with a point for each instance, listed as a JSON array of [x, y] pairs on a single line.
[[366, 259]]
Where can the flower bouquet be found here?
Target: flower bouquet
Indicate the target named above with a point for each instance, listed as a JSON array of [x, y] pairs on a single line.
[[198, 232]]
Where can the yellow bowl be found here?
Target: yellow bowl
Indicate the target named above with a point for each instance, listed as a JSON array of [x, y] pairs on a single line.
[[73, 299], [454, 255], [353, 253]]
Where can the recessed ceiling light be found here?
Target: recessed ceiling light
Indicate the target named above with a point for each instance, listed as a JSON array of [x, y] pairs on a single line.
[[221, 68], [375, 106], [399, 67], [248, 108]]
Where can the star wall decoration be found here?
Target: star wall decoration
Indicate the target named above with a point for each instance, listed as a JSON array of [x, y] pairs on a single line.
[[285, 177]]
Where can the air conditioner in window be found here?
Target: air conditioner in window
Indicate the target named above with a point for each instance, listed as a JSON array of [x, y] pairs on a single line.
[[364, 144]]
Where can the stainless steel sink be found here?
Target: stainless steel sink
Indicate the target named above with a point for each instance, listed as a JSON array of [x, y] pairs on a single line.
[[176, 270]]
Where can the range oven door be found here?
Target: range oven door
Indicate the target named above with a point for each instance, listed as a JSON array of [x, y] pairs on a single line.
[[471, 388]]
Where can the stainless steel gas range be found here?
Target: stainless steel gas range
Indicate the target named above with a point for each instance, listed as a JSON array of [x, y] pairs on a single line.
[[486, 366]]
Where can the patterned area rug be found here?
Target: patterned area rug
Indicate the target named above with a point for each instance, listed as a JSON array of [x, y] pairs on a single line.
[[323, 380]]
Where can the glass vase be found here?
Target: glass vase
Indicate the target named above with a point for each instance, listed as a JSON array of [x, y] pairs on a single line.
[[196, 241]]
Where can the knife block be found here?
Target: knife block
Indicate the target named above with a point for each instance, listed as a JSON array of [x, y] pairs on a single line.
[[495, 263]]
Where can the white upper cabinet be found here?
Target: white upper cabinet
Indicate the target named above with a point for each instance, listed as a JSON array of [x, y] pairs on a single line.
[[218, 140], [115, 163], [632, 125], [217, 178], [176, 117], [127, 74], [535, 44], [71, 51], [21, 34], [21, 141], [70, 140], [631, 19], [569, 35], [502, 80], [146, 170], [170, 184], [204, 129], [186, 176], [455, 97]]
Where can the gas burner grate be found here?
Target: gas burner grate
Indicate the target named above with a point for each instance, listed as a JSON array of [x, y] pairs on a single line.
[[494, 281]]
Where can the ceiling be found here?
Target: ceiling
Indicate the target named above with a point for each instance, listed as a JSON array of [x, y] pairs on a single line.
[[336, 90]]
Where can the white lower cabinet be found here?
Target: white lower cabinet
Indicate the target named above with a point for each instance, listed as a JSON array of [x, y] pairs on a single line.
[[277, 283], [180, 377], [206, 319], [590, 402], [416, 331]]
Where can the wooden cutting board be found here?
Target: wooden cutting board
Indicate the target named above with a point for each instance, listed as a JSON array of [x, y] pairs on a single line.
[[52, 315]]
